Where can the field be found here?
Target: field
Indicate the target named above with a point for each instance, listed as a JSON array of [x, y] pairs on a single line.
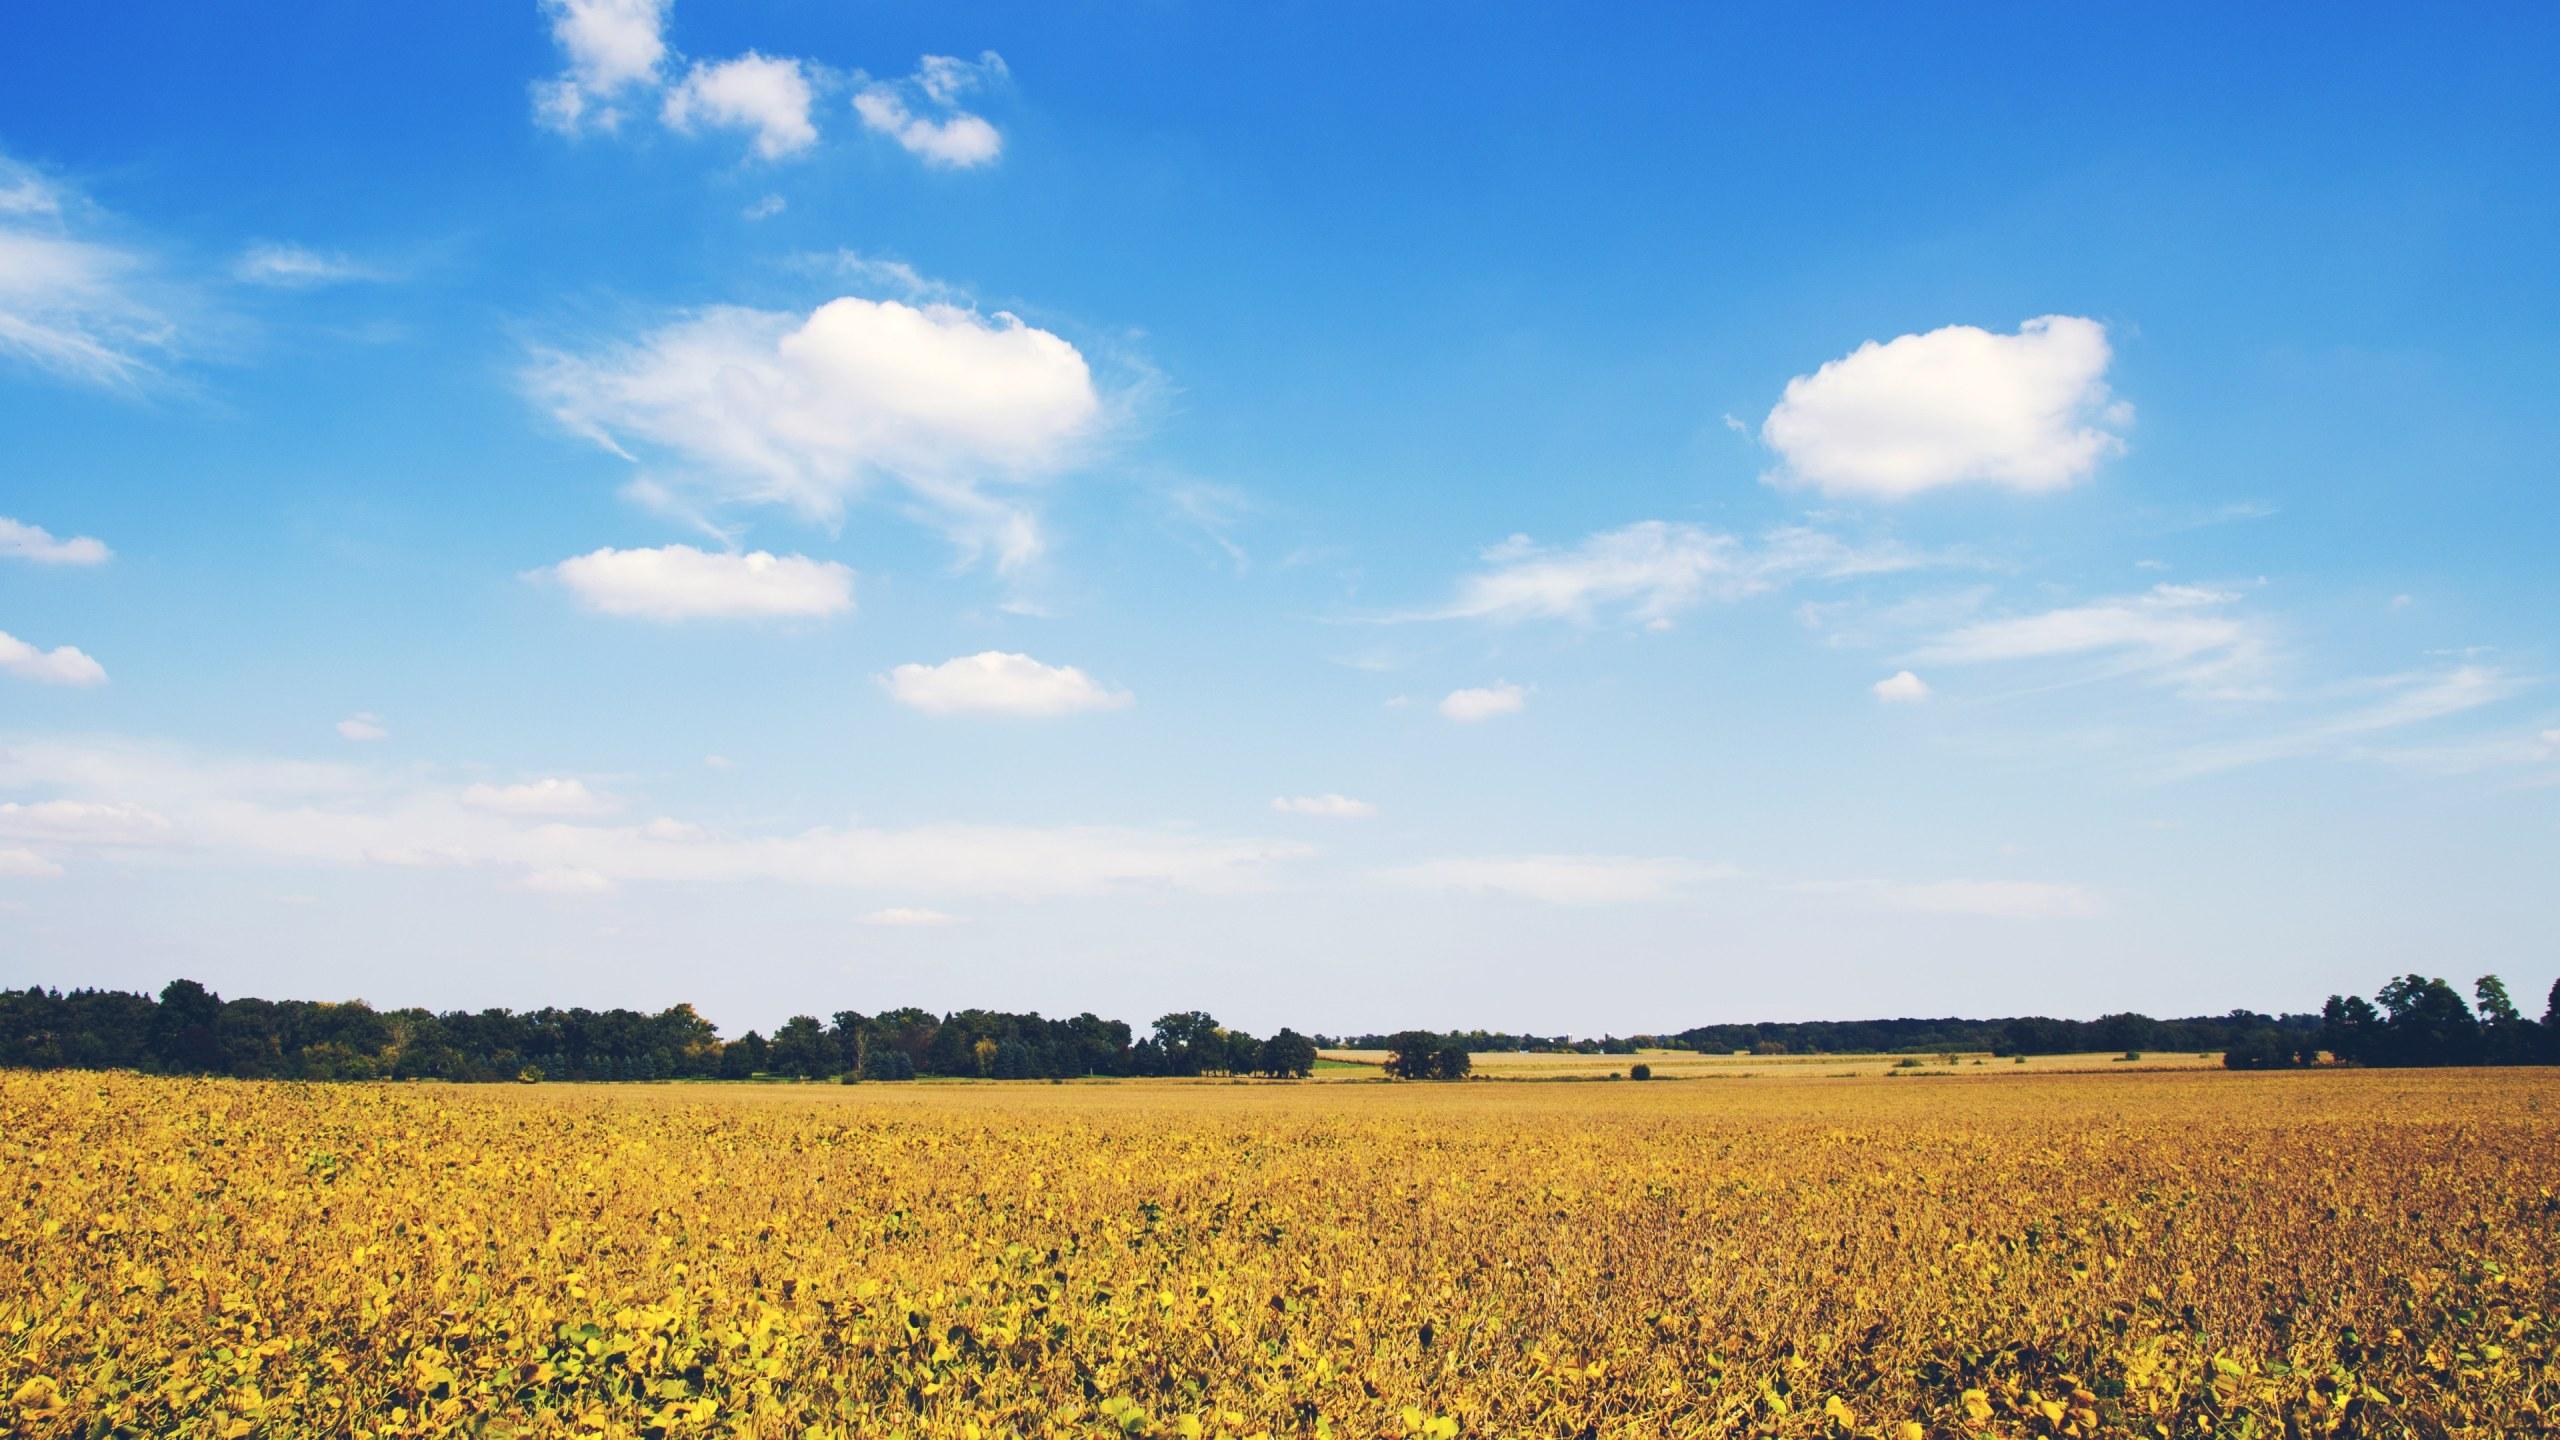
[[2175, 1253]]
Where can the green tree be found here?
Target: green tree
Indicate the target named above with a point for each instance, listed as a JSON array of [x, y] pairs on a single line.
[[801, 1048], [1286, 1056], [184, 1032], [1190, 1042]]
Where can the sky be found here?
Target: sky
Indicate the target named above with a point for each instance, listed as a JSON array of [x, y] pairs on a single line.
[[1530, 517]]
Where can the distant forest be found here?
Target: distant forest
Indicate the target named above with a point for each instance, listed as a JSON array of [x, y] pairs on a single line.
[[189, 1030]]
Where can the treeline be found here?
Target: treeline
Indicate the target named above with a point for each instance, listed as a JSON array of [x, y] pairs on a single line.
[[2020, 1035], [2414, 1021], [189, 1030]]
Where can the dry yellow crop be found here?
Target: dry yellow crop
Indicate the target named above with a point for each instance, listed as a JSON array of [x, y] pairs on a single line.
[[2175, 1254]]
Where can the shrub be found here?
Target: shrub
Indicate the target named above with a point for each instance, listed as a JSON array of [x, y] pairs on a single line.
[[1640, 1072]]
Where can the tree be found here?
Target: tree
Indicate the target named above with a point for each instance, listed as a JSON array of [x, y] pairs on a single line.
[[1286, 1056], [2505, 1036], [1639, 1071], [1189, 1041], [1422, 1055], [183, 1032], [1453, 1062], [741, 1058], [2426, 1023], [801, 1048]]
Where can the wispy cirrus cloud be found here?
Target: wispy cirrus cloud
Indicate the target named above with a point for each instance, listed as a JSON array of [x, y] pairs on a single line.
[[1651, 571], [2190, 636], [1561, 879], [2400, 702], [211, 810], [74, 304], [298, 267]]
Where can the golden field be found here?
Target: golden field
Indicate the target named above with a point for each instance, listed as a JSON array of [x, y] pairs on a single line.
[[2024, 1254]]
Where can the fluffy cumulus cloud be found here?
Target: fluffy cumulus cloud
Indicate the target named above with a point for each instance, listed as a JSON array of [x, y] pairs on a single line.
[[217, 811], [2188, 635], [923, 112], [1561, 879], [757, 406], [73, 305], [61, 665], [550, 796], [994, 682], [363, 727], [1901, 688], [1651, 571], [612, 48], [1328, 806], [766, 95], [2028, 412], [1483, 702], [35, 544], [679, 582], [615, 57]]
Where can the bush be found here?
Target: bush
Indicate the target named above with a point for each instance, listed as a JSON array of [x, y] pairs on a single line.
[[1640, 1072]]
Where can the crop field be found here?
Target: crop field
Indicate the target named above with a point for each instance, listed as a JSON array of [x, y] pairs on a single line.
[[2170, 1253]]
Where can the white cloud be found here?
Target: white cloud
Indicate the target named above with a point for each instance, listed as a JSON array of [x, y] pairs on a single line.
[[2182, 633], [759, 406], [2407, 700], [612, 46], [71, 305], [679, 582], [270, 815], [944, 135], [549, 796], [363, 725], [766, 208], [565, 880], [21, 541], [1562, 879], [61, 665], [1331, 807], [86, 821], [1483, 703], [1901, 688], [2028, 412], [994, 682], [767, 94], [719, 762], [907, 917], [1650, 571], [24, 864], [294, 267]]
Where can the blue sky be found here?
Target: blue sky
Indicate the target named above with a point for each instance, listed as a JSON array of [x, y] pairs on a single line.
[[1342, 517]]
